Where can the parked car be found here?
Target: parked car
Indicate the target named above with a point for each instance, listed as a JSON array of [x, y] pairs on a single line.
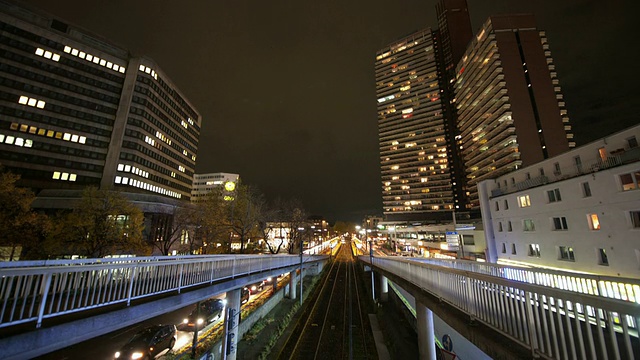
[[210, 310], [148, 343]]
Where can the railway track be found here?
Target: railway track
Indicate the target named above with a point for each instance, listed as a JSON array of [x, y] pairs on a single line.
[[334, 325]]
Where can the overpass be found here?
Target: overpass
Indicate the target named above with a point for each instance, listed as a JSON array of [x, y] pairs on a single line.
[[511, 312], [517, 311], [48, 305]]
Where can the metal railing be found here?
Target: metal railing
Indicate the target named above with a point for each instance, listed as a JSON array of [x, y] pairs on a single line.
[[626, 289], [551, 321], [588, 167], [35, 290]]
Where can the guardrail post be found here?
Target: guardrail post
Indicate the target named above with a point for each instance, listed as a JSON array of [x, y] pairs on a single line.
[[43, 302], [180, 278], [531, 324], [133, 277], [233, 268]]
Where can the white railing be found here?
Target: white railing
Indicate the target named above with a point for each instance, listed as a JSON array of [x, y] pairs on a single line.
[[551, 321], [35, 290], [606, 286]]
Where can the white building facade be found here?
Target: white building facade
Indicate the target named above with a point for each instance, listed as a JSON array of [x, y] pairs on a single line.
[[578, 211], [204, 183]]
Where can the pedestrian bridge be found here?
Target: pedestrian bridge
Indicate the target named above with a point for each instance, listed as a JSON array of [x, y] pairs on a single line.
[[47, 305], [548, 314]]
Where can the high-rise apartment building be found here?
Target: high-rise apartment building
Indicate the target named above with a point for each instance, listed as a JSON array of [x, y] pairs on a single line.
[[413, 148], [76, 110], [416, 121], [510, 108]]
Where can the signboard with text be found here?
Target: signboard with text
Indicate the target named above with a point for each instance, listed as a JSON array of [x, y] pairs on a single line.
[[452, 240]]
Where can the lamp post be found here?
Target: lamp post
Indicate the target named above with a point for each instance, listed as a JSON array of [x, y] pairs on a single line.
[[300, 229]]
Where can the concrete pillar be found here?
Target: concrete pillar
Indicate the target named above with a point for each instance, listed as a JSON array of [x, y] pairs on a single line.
[[293, 279], [384, 288], [426, 337], [485, 211], [232, 310]]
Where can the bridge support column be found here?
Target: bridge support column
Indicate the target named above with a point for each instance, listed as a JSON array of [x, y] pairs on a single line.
[[384, 288], [230, 345], [426, 337], [293, 279]]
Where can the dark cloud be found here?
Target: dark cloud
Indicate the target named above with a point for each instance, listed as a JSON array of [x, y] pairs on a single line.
[[287, 88]]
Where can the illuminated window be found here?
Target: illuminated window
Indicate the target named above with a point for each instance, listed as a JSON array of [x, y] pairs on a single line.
[[594, 221], [524, 201], [630, 181], [56, 175], [534, 250]]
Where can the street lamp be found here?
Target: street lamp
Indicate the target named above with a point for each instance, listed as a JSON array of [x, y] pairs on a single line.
[[301, 229]]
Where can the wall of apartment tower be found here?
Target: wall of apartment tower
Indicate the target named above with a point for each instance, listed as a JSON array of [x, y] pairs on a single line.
[[416, 179], [453, 34], [511, 112], [79, 111]]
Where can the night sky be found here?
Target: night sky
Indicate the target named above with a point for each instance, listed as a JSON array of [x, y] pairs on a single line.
[[286, 89]]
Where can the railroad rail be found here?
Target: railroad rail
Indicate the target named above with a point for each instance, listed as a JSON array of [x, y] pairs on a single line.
[[334, 325]]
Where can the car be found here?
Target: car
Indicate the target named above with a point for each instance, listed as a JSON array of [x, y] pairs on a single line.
[[244, 297], [210, 310], [148, 343], [256, 288]]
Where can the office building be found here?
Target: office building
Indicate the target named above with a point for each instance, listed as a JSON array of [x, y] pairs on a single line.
[[510, 109], [578, 211], [79, 111], [204, 183]]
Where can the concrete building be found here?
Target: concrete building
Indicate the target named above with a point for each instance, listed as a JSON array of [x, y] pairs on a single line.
[[576, 211], [416, 122], [510, 108], [413, 148], [204, 183], [78, 111]]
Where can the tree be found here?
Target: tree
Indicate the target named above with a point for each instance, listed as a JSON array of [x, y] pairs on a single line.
[[269, 225], [103, 223], [295, 216], [211, 217], [180, 226], [245, 213], [20, 226]]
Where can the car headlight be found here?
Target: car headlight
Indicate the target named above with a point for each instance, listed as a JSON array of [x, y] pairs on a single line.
[[185, 321], [117, 355], [224, 302], [136, 355], [200, 321], [269, 279], [253, 288]]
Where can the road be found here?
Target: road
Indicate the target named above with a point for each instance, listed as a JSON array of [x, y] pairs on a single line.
[[105, 346]]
